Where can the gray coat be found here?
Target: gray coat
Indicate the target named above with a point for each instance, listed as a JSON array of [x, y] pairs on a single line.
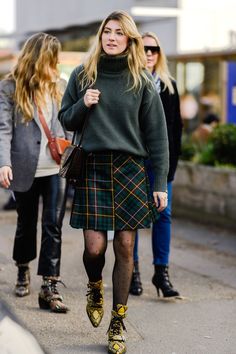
[[20, 142]]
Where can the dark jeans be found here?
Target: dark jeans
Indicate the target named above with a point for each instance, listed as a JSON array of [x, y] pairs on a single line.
[[53, 190]]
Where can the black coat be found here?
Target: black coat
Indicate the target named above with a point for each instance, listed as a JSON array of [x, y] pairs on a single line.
[[174, 126]]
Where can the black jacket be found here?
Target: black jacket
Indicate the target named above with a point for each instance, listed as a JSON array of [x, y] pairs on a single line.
[[174, 126]]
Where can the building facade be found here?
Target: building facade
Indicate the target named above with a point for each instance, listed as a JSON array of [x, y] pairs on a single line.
[[75, 19]]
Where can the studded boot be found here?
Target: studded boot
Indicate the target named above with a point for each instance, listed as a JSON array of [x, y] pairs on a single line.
[[49, 297]]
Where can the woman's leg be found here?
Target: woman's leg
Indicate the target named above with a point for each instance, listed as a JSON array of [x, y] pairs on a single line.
[[53, 190], [95, 245], [25, 245], [54, 200], [161, 238], [136, 242], [136, 287], [123, 248], [25, 249], [161, 233]]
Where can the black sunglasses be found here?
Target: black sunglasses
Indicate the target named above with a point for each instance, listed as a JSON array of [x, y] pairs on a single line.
[[153, 49]]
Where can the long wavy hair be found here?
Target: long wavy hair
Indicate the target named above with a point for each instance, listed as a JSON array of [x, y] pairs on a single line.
[[161, 67], [36, 74], [135, 52]]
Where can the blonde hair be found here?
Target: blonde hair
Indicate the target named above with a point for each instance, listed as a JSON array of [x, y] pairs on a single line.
[[135, 52], [161, 67], [36, 73]]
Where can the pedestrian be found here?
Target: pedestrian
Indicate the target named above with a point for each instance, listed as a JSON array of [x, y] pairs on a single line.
[[161, 229], [125, 117], [27, 167], [202, 133]]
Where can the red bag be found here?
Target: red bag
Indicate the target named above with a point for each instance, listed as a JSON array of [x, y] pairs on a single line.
[[56, 145], [62, 144]]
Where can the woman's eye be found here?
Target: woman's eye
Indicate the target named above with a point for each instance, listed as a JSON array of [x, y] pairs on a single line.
[[120, 33], [106, 31]]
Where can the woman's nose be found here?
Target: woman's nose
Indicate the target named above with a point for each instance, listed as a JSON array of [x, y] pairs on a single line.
[[112, 36]]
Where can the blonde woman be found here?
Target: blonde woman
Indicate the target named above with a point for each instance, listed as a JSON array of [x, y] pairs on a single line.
[[125, 122], [27, 167], [161, 229]]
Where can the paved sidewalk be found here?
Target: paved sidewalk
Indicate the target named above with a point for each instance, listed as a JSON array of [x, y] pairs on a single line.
[[203, 269]]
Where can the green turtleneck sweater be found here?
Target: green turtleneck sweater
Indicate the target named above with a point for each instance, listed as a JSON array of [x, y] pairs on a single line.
[[125, 121]]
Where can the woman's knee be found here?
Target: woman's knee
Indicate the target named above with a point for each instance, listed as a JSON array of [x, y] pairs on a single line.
[[94, 252], [124, 246]]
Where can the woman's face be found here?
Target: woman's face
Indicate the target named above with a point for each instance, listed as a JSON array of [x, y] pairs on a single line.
[[151, 50], [114, 41]]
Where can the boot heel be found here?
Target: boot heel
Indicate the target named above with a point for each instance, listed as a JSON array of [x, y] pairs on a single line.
[[43, 304], [162, 282]]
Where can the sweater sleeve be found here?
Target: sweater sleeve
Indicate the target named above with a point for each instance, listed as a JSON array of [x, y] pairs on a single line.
[[73, 108], [154, 129], [6, 121]]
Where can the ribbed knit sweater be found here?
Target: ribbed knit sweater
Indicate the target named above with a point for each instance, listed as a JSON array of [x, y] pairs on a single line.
[[123, 120]]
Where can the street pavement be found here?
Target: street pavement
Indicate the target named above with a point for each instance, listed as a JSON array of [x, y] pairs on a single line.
[[203, 269]]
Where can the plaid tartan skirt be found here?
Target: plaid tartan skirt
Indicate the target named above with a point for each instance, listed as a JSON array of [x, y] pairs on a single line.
[[113, 195]]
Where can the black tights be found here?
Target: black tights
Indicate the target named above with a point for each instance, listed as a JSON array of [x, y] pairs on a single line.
[[94, 260]]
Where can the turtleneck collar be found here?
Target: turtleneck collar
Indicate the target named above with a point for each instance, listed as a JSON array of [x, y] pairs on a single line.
[[112, 63]]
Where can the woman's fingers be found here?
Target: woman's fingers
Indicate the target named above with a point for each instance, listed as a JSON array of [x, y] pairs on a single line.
[[161, 200], [91, 97], [5, 176]]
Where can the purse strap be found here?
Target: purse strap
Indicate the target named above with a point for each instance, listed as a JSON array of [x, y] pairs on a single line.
[[44, 124], [83, 130], [48, 133]]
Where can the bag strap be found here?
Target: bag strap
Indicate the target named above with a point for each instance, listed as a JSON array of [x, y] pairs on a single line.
[[48, 133], [44, 124], [83, 130]]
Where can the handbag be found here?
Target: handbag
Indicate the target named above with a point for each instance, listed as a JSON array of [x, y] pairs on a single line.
[[56, 145], [73, 158]]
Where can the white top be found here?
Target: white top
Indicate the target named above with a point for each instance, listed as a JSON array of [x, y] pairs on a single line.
[[46, 165]]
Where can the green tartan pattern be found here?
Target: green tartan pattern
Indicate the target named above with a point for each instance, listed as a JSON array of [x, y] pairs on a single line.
[[114, 194]]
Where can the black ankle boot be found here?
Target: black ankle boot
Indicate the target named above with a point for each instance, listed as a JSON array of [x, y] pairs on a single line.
[[22, 287], [161, 281], [136, 285]]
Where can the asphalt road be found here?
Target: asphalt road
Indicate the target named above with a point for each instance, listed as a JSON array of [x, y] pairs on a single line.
[[203, 269]]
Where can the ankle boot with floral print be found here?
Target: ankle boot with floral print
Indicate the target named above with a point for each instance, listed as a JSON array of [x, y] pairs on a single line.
[[49, 296]]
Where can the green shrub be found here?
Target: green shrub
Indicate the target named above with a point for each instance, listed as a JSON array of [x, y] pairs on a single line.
[[188, 149], [223, 140], [220, 150], [206, 155]]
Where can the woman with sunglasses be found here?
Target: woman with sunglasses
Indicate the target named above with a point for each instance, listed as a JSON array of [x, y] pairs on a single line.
[[161, 230]]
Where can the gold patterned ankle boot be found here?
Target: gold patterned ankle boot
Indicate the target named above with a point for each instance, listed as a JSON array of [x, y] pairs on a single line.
[[116, 339], [94, 306]]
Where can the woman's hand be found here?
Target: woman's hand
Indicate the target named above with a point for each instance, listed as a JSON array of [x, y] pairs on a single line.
[[91, 97], [161, 200], [5, 176]]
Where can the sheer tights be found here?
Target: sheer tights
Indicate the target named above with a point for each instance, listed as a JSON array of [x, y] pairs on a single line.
[[123, 245], [95, 245], [94, 260]]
